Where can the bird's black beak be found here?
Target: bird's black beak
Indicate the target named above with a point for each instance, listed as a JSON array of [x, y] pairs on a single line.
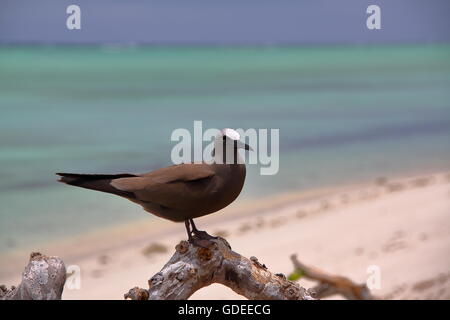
[[243, 145]]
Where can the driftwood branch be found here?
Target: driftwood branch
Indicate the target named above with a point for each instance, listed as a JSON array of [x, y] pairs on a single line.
[[331, 284], [42, 279], [193, 267]]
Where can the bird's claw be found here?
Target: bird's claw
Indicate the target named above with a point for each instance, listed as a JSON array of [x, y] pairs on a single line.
[[202, 235], [201, 238]]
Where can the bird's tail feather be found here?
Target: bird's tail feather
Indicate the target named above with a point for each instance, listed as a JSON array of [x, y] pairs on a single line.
[[99, 182]]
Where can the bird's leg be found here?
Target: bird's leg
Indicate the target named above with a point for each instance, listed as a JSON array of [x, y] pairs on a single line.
[[188, 229], [198, 234]]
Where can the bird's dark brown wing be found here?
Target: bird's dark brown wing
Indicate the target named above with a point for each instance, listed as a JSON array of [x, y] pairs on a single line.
[[182, 186]]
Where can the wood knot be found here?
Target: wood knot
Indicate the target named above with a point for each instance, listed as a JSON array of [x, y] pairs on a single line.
[[204, 254], [157, 278], [3, 290], [136, 294], [291, 292], [311, 292], [182, 247], [186, 274], [35, 256], [257, 263]]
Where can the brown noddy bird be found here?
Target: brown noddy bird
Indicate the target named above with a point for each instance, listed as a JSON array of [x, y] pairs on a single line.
[[181, 192]]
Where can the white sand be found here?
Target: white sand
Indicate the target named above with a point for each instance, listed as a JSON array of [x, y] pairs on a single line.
[[403, 227]]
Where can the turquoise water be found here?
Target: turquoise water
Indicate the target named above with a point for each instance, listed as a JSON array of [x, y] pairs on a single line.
[[345, 114]]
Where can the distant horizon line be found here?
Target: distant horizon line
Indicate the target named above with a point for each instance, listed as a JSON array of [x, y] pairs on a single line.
[[132, 44]]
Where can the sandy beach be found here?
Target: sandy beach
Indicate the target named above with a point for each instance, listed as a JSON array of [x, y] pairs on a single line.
[[400, 225]]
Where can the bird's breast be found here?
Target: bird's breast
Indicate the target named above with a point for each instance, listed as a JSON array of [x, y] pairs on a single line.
[[228, 186]]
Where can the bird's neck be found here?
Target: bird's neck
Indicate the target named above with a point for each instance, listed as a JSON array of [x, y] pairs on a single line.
[[225, 154]]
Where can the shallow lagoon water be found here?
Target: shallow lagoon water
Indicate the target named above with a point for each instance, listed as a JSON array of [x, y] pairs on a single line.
[[345, 114]]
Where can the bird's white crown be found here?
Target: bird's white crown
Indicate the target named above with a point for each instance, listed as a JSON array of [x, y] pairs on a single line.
[[230, 133]]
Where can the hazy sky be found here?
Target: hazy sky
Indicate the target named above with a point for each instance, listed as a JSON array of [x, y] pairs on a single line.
[[224, 21]]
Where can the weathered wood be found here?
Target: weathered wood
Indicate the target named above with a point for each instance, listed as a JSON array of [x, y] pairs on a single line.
[[193, 267], [42, 279], [331, 284]]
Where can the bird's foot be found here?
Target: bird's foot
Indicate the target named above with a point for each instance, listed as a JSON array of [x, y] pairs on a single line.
[[201, 239], [198, 237], [202, 235]]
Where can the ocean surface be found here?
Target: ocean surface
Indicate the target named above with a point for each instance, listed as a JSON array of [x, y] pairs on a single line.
[[345, 114]]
